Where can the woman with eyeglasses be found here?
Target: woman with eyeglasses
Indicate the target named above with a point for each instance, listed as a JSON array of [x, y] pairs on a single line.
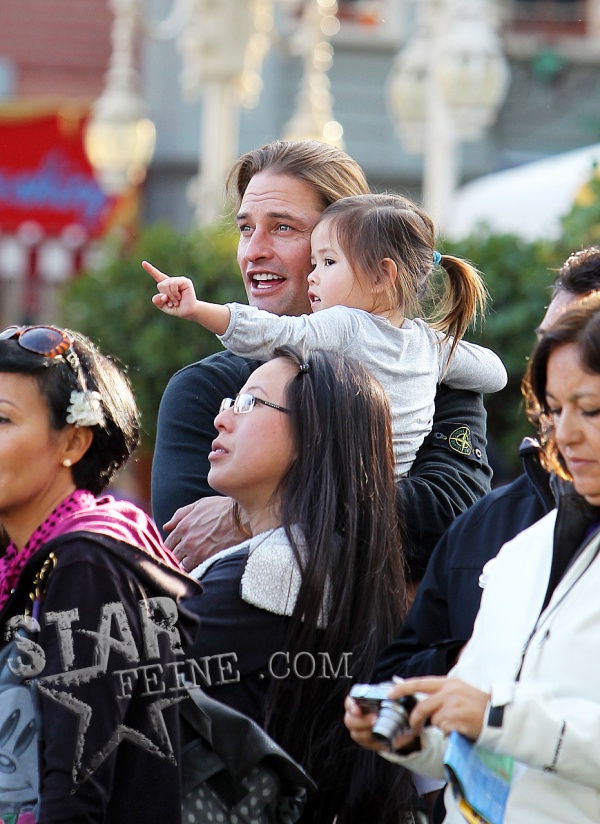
[[294, 614], [89, 598]]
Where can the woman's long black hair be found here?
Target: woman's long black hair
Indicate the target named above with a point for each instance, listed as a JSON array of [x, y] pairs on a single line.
[[340, 492]]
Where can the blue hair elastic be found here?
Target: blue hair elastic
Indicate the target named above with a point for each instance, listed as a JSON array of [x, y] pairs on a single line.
[[437, 258]]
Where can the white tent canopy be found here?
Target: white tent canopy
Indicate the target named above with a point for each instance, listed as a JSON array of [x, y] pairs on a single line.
[[526, 201]]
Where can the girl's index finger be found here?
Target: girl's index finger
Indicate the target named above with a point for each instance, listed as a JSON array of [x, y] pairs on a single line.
[[154, 272]]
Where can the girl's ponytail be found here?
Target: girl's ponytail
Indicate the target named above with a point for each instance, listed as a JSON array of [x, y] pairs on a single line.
[[463, 300]]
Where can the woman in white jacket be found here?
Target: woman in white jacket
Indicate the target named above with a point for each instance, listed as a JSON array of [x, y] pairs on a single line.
[[527, 685]]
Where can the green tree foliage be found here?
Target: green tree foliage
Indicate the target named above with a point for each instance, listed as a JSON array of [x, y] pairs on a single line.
[[113, 306], [581, 225]]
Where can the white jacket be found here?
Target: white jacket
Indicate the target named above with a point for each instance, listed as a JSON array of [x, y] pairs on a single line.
[[551, 721]]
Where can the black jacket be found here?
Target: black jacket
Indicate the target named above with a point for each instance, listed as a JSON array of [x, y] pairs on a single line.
[[116, 666], [243, 650], [441, 618], [442, 482]]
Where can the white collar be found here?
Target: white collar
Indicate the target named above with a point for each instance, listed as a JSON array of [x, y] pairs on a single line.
[[272, 577]]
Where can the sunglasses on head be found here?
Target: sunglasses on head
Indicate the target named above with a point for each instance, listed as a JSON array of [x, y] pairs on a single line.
[[85, 407], [48, 341]]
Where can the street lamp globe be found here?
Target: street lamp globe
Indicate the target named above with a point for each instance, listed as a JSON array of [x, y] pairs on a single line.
[[119, 137], [406, 93], [473, 76], [119, 140]]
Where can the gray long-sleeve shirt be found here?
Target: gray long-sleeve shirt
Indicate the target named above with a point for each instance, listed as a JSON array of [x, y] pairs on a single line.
[[409, 361]]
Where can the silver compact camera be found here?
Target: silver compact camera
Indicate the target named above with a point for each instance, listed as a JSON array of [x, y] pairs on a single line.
[[392, 714]]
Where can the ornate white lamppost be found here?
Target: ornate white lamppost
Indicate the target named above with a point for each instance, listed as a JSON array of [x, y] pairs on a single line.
[[120, 137], [222, 44], [447, 86], [313, 117]]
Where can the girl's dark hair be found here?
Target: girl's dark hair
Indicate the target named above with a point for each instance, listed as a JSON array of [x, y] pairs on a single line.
[[340, 492], [117, 438], [580, 326], [372, 227]]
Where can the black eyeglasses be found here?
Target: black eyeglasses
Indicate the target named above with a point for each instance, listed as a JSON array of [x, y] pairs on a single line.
[[244, 403]]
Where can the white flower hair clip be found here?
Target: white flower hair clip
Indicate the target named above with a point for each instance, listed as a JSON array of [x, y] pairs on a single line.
[[85, 408]]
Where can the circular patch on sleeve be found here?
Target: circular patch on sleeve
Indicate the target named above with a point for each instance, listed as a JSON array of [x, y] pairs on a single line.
[[460, 441]]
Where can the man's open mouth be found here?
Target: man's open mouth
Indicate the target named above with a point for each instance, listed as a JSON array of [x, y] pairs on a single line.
[[266, 280]]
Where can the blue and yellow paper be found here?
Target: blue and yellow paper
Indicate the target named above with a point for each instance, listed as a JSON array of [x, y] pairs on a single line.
[[479, 779]]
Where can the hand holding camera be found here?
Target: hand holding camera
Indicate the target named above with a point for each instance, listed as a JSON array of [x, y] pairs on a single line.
[[392, 714], [446, 703]]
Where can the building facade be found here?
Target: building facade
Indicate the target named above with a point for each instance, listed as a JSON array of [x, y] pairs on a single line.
[[63, 48]]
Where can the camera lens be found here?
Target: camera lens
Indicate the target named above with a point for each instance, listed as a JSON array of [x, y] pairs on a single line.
[[392, 720]]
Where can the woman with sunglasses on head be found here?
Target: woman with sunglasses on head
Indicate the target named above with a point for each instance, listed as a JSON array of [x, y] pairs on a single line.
[[88, 594], [298, 611]]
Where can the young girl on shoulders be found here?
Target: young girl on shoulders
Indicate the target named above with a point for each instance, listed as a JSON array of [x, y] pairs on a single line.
[[373, 258]]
